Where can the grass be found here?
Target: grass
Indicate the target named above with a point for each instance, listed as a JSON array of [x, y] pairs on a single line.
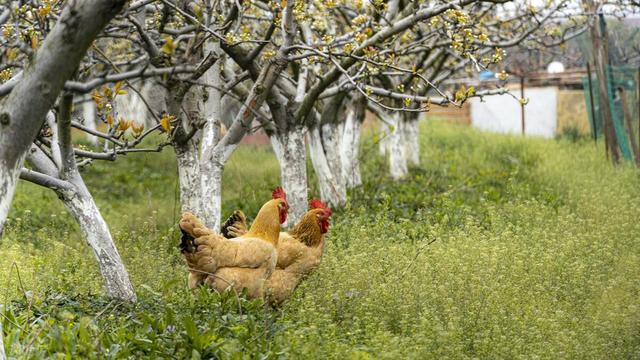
[[494, 247]]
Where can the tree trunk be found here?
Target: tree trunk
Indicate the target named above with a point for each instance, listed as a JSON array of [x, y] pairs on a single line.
[[412, 138], [385, 138], [63, 177], [397, 149], [131, 107], [330, 189], [330, 137], [350, 145], [8, 181], [22, 112], [82, 207], [211, 186], [211, 170], [155, 95], [292, 155], [189, 177], [89, 118]]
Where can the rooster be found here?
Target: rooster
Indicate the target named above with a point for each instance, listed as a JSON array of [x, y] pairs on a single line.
[[242, 262], [299, 250]]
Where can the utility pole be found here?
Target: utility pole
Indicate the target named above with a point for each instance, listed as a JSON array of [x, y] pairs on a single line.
[[600, 47]]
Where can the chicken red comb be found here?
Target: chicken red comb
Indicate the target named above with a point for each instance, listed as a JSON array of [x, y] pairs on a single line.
[[278, 193], [318, 204]]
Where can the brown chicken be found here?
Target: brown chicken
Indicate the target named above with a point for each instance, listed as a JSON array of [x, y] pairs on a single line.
[[238, 263], [299, 250]]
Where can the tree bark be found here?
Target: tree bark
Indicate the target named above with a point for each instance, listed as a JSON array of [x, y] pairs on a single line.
[[330, 188], [397, 149], [350, 144], [189, 177], [89, 118], [331, 138], [95, 230], [188, 103], [22, 112], [210, 170], [63, 177], [385, 139], [291, 152], [412, 138], [80, 204], [324, 143]]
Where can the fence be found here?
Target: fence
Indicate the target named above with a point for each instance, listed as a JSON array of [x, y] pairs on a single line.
[[622, 86]]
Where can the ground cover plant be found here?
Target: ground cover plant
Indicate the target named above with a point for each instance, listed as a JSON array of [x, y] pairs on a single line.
[[494, 247]]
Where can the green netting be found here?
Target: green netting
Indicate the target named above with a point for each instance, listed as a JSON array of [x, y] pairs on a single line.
[[622, 87]]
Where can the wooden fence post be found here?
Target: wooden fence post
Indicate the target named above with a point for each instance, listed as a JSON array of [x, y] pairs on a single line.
[[627, 120], [593, 105], [599, 43]]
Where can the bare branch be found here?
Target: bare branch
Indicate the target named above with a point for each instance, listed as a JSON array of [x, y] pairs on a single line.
[[402, 24], [99, 134], [45, 180], [148, 44], [133, 74], [68, 163]]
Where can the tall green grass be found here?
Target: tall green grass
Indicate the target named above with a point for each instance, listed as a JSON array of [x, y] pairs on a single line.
[[494, 247]]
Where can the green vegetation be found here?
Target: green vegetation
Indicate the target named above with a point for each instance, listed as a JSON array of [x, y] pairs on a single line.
[[495, 247]]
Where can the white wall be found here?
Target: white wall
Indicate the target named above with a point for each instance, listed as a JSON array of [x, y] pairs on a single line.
[[501, 113]]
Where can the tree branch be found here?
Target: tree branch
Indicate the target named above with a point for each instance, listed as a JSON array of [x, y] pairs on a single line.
[[45, 180], [68, 162], [404, 23]]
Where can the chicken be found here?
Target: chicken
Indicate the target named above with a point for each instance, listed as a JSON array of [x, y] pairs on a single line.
[[242, 262], [299, 250], [236, 225]]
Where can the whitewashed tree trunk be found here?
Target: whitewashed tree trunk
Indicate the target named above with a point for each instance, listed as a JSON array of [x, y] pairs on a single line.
[[331, 136], [81, 205], [292, 155], [212, 194], [189, 177], [385, 138], [330, 188], [397, 156], [349, 153], [210, 170], [8, 181], [412, 139], [188, 149], [89, 116], [350, 144], [63, 177], [96, 232], [131, 107]]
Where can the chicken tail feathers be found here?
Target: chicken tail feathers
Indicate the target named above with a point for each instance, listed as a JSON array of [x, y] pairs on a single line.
[[235, 225], [191, 228], [187, 243]]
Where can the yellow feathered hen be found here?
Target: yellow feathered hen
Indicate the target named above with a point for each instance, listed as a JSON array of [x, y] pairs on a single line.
[[244, 262]]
